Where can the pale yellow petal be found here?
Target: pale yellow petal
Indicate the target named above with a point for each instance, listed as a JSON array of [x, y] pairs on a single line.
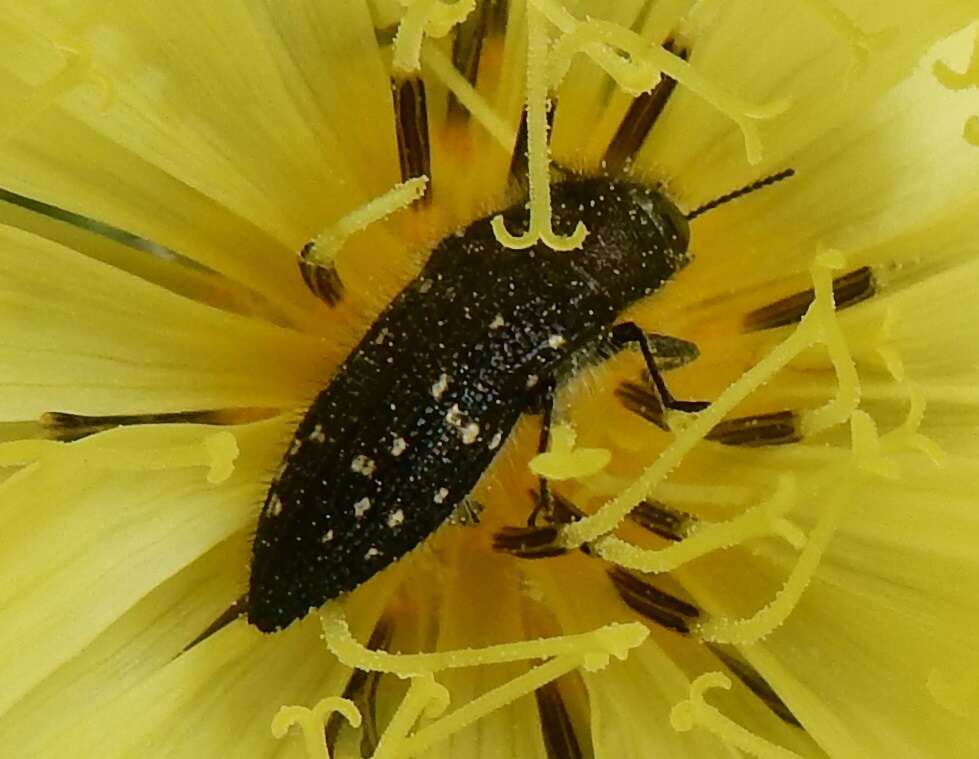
[[83, 337]]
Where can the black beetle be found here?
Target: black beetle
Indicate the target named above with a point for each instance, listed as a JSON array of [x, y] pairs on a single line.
[[416, 413]]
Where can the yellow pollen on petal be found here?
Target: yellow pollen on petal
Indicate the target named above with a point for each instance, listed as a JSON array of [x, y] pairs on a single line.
[[696, 712], [312, 721], [565, 462], [328, 243], [538, 151]]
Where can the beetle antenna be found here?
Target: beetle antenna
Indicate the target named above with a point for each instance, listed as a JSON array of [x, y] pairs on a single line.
[[746, 190]]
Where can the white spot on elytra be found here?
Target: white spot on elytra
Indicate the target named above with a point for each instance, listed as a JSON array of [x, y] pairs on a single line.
[[532, 380], [294, 448], [495, 441], [555, 341], [361, 507], [469, 433], [399, 446], [454, 416], [327, 536], [497, 322], [441, 495], [363, 465], [317, 435], [395, 518], [371, 553], [439, 388], [275, 506], [381, 336]]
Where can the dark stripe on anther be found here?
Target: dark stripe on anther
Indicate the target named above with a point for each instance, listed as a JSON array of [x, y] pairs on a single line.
[[639, 120], [776, 428], [848, 290], [560, 740], [322, 281], [528, 542], [411, 123], [59, 425], [656, 605], [641, 400], [466, 50], [660, 519], [362, 690], [757, 685], [228, 616]]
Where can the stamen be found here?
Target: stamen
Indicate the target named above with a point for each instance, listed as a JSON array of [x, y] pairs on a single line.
[[467, 98], [775, 428], [757, 685], [411, 122], [695, 711], [907, 435], [660, 519], [311, 721], [817, 326], [591, 651], [639, 120], [766, 620], [361, 690], [489, 702], [651, 61], [422, 17], [852, 288], [560, 741], [642, 401], [540, 226], [759, 521], [425, 698], [328, 243], [529, 542], [823, 314], [65, 427], [467, 48], [656, 605], [614, 639]]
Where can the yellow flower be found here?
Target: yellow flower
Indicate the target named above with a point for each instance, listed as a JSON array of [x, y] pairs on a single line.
[[827, 579]]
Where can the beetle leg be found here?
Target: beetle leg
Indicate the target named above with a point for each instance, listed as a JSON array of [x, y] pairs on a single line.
[[629, 333], [543, 404]]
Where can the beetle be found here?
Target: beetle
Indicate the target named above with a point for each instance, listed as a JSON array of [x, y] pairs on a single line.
[[417, 412]]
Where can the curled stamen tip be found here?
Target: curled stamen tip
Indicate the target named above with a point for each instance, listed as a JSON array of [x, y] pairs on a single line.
[[682, 717], [558, 242]]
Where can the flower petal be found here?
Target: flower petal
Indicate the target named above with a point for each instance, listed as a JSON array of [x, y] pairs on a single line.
[[83, 337]]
